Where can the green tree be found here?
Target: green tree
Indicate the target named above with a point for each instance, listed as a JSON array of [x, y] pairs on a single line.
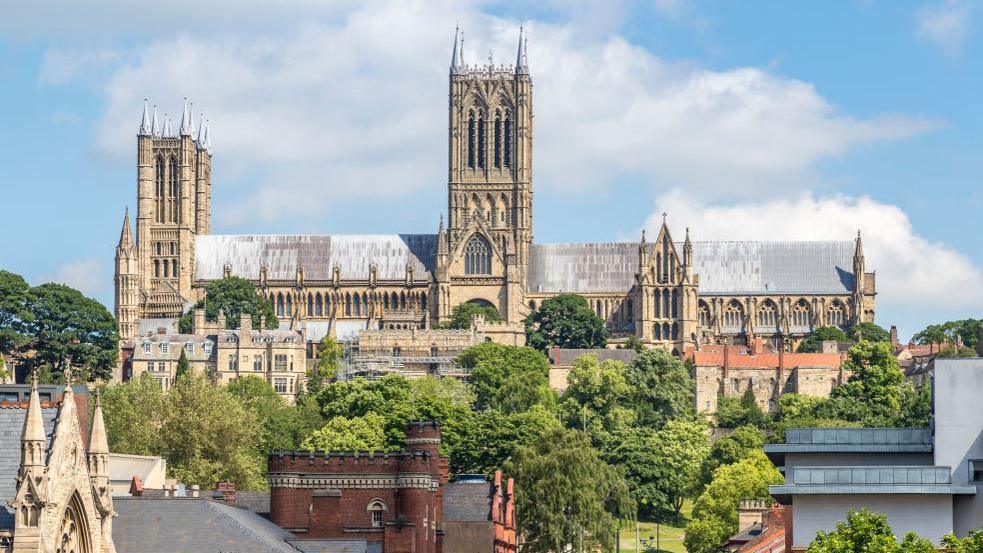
[[463, 314], [508, 378], [715, 511], [565, 321], [968, 329], [234, 296], [15, 295], [736, 446], [867, 532], [133, 411], [953, 351], [569, 498], [663, 389], [814, 341], [633, 343], [183, 365], [970, 544], [283, 425], [876, 384], [67, 327], [870, 332], [329, 355], [598, 399], [208, 436], [495, 436], [733, 412], [366, 433]]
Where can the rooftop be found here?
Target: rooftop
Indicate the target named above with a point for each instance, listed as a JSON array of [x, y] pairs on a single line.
[[872, 480], [11, 427]]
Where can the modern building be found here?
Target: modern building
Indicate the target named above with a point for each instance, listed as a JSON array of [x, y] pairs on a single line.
[[668, 293], [926, 480]]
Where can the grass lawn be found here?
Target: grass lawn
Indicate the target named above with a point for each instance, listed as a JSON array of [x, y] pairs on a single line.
[[670, 536]]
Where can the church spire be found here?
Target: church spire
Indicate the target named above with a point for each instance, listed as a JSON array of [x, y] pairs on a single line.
[[145, 121], [125, 235], [166, 133], [643, 249], [208, 135], [457, 56], [155, 124], [98, 443], [687, 250], [32, 437], [186, 120], [521, 61], [201, 131]]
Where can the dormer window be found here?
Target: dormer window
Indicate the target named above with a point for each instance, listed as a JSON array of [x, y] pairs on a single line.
[[189, 348], [165, 347], [146, 348]]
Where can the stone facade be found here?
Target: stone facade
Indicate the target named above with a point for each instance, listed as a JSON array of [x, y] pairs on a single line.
[[669, 294]]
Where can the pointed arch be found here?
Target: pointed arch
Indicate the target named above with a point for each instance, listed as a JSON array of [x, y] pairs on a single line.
[[160, 189], [767, 316], [504, 209], [172, 191], [734, 315], [73, 533], [665, 303], [385, 301], [802, 315], [482, 146], [477, 256], [310, 304], [507, 153], [318, 306], [348, 304], [704, 315], [675, 303], [497, 139], [290, 305], [836, 313], [471, 139], [657, 331]]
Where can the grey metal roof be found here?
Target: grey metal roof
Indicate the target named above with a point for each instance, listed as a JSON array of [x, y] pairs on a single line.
[[467, 500], [566, 357], [193, 525], [856, 440], [584, 268], [11, 426], [872, 480], [317, 254], [723, 267]]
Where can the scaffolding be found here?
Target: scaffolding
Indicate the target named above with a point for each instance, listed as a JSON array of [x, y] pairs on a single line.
[[376, 364]]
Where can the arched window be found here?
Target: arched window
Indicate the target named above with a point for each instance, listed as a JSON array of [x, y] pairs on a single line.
[[402, 300], [734, 315], [477, 256], [665, 304], [658, 304], [157, 268], [657, 331], [471, 138], [665, 331], [835, 314], [505, 216], [481, 142], [73, 535], [290, 305], [327, 304], [348, 304], [167, 269], [423, 301], [172, 193], [318, 307], [800, 314], [385, 301], [507, 154], [704, 314], [498, 141], [767, 315], [675, 304], [629, 311], [665, 257], [675, 331], [377, 510], [310, 304], [159, 170], [395, 301], [279, 305], [365, 304], [358, 306]]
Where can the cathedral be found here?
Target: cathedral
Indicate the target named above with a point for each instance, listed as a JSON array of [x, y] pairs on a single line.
[[666, 292]]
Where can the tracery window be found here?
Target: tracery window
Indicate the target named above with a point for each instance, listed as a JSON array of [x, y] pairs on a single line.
[[704, 314], [357, 309], [477, 256], [498, 141], [172, 193], [507, 153], [734, 314], [73, 536], [279, 305], [318, 305], [835, 314], [376, 509], [290, 306], [159, 182], [767, 314], [481, 142], [675, 304], [665, 304], [471, 138], [310, 303]]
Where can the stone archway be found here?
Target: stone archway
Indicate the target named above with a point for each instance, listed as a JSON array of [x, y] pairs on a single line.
[[73, 535]]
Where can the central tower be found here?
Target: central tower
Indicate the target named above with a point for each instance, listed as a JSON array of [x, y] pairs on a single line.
[[489, 182]]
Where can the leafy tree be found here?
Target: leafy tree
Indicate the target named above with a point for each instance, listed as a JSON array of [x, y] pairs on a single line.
[[715, 511], [508, 378], [598, 398], [565, 321], [133, 411], [208, 436], [870, 332], [494, 436], [183, 365], [867, 532], [733, 412], [283, 425], [234, 296], [970, 544], [569, 498], [67, 327], [366, 433], [876, 384], [4, 373], [801, 411], [463, 314], [663, 388], [633, 343], [329, 355], [736, 446], [814, 341], [968, 329], [15, 294], [953, 351]]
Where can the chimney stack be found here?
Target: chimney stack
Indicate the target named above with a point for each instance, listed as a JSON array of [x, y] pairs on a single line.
[[246, 323], [894, 338]]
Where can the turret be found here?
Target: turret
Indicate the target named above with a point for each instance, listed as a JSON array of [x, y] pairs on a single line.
[[521, 61], [643, 250], [145, 127], [32, 439], [858, 280], [457, 56], [126, 280], [98, 454]]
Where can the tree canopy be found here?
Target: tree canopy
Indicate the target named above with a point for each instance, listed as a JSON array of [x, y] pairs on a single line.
[[329, 354], [734, 447], [463, 314], [968, 329], [864, 531], [663, 388], [814, 341], [565, 321], [507, 378], [365, 433], [870, 332], [234, 296]]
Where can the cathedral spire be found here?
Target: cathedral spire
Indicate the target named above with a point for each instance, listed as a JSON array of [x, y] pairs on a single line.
[[186, 119], [643, 249], [521, 61], [155, 124], [166, 133], [32, 437], [201, 131], [97, 434], [125, 235], [208, 135], [145, 120], [457, 56], [687, 250]]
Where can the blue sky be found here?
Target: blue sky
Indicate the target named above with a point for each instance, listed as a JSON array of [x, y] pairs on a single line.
[[741, 120]]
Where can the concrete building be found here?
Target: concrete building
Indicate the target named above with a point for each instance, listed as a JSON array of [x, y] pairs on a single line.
[[668, 293], [926, 480]]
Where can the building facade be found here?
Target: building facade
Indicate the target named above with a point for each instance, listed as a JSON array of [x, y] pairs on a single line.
[[668, 293]]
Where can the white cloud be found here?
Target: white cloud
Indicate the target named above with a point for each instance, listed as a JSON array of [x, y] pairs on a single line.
[[355, 107], [946, 23], [87, 276], [915, 275]]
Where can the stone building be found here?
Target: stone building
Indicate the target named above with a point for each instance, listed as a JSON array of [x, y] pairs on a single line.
[[55, 492], [277, 356], [390, 503], [479, 517], [729, 371], [672, 294]]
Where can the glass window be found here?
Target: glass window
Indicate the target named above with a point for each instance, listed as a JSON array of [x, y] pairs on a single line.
[[165, 347], [280, 362], [189, 347], [280, 385], [976, 471], [207, 348], [477, 256], [233, 362], [161, 367], [146, 347], [258, 363]]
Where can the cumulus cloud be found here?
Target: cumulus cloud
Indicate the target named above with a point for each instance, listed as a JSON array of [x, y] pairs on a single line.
[[946, 23], [352, 106], [87, 276], [913, 272]]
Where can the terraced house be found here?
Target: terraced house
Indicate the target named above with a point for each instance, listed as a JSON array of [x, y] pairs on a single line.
[[669, 293]]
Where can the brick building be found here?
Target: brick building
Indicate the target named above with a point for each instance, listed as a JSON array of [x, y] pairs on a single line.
[[391, 502], [479, 517]]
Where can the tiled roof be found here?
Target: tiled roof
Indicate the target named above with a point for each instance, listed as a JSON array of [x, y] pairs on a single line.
[[467, 500], [11, 426], [317, 254], [193, 525]]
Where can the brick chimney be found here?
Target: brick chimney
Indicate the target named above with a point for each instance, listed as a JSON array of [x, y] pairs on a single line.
[[199, 322], [246, 323], [751, 512], [894, 338]]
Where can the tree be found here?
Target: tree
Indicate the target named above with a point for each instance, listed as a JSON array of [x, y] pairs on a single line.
[[565, 321], [736, 446], [366, 433], [494, 436], [14, 313], [329, 355], [66, 327], [133, 412], [234, 296], [183, 365], [569, 498], [463, 314], [663, 388], [970, 544], [868, 331], [508, 378], [876, 384], [867, 532], [968, 329], [814, 341], [599, 395], [715, 511], [284, 426], [633, 343], [733, 412]]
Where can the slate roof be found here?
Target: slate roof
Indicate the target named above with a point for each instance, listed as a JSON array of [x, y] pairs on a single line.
[[723, 267], [176, 525], [566, 357], [11, 426], [467, 500], [317, 254]]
